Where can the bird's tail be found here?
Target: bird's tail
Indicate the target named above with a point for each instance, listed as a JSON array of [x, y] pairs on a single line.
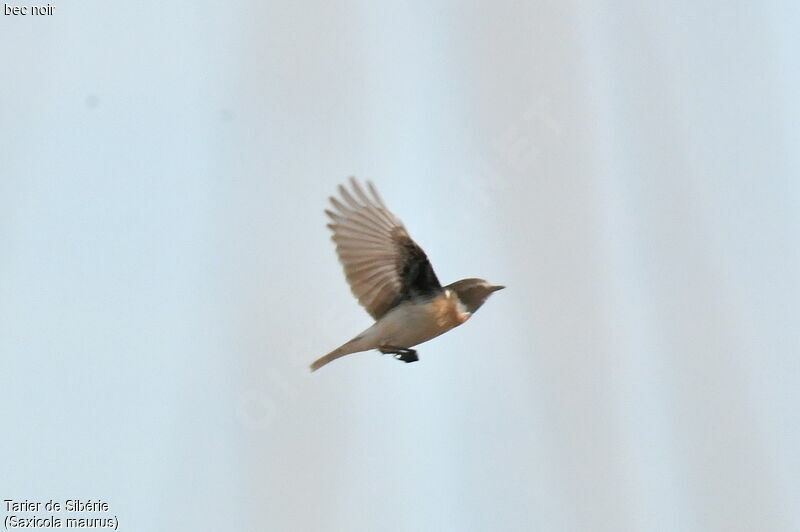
[[346, 349]]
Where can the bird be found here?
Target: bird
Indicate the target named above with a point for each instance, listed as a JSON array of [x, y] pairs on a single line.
[[392, 278]]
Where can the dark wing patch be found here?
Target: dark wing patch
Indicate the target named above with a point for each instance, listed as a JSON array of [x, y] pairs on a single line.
[[416, 273], [383, 265]]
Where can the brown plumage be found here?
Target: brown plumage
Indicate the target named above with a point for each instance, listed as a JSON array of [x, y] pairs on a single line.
[[391, 277], [383, 265]]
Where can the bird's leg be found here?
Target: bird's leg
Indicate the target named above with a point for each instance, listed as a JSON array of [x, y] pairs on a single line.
[[400, 353], [407, 355]]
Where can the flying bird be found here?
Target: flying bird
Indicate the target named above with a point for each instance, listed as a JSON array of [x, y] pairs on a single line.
[[393, 280]]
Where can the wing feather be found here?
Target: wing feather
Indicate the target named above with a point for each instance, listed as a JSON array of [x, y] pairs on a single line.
[[382, 264]]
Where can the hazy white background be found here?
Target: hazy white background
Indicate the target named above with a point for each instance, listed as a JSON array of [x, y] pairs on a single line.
[[630, 172]]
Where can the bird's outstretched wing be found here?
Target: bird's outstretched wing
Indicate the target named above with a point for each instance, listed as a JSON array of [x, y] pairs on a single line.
[[383, 265]]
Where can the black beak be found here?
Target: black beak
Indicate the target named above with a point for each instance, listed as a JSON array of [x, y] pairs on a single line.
[[497, 287]]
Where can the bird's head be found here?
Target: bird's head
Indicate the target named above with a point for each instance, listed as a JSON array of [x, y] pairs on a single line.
[[473, 292]]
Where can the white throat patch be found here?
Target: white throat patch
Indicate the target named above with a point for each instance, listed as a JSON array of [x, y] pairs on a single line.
[[460, 308]]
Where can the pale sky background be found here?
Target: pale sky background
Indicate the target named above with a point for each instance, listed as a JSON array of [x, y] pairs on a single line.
[[631, 173]]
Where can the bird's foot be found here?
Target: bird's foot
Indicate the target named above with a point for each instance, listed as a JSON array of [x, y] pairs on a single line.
[[401, 353], [407, 355]]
